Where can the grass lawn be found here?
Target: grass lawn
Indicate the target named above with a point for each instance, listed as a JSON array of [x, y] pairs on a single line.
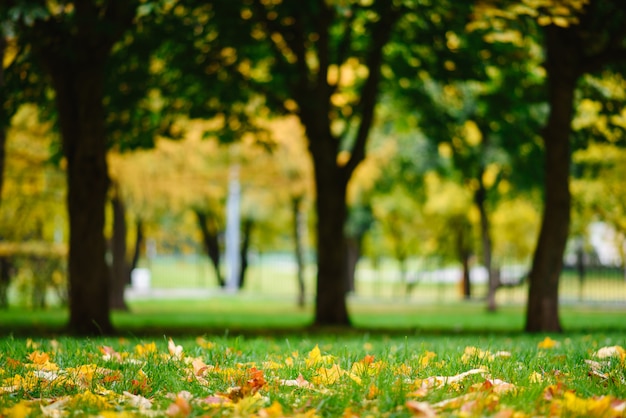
[[321, 375], [237, 355], [245, 314]]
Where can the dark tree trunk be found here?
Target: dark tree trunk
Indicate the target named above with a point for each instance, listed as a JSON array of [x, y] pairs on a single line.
[[137, 248], [79, 102], [243, 252], [120, 270], [298, 227], [480, 198], [330, 306], [5, 279], [210, 239], [74, 55], [4, 118], [542, 313], [353, 254], [464, 255]]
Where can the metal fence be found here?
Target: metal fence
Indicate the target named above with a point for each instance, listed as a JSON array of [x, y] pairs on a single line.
[[425, 280]]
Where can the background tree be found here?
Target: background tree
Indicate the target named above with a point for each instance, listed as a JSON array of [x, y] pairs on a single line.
[[320, 61], [578, 38]]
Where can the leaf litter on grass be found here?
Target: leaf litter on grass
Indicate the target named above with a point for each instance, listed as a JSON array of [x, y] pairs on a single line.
[[212, 380]]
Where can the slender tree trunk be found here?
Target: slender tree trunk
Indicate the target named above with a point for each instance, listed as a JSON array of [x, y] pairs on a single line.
[[542, 313], [120, 270], [248, 224], [353, 254], [464, 255], [210, 238], [298, 227], [4, 118], [137, 248], [480, 198]]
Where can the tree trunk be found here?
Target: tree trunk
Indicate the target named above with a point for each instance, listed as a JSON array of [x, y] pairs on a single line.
[[353, 254], [298, 227], [464, 255], [79, 98], [137, 248], [330, 306], [243, 252], [4, 118], [480, 197], [210, 238], [120, 270], [6, 266], [542, 313]]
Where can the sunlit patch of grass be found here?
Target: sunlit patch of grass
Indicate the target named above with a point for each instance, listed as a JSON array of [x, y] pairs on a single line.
[[316, 375]]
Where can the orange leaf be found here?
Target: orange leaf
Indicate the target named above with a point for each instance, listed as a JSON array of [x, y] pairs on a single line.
[[421, 409]]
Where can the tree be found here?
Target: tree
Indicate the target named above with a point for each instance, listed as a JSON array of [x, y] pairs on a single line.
[[72, 43], [578, 38], [326, 59]]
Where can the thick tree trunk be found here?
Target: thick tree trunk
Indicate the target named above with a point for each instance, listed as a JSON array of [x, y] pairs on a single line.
[[78, 84], [120, 270], [542, 313], [210, 239], [331, 307], [298, 228]]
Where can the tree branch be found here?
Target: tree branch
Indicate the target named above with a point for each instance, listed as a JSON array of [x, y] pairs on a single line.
[[369, 93]]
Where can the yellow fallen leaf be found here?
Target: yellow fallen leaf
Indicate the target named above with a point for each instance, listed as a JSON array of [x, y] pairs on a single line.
[[19, 410], [547, 343], [315, 357], [328, 376]]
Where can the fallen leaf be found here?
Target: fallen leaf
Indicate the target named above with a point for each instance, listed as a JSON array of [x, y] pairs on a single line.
[[547, 343], [421, 409], [300, 382]]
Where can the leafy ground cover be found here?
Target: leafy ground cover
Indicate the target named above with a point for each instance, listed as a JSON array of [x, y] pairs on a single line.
[[316, 376]]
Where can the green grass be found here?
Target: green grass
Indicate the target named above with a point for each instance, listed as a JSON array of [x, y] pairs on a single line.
[[244, 314], [351, 375]]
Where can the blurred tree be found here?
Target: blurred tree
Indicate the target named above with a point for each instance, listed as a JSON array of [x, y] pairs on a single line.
[[31, 215], [579, 37], [320, 61]]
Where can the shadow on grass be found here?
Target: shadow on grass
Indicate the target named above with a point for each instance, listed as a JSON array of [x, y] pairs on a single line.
[[249, 318]]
